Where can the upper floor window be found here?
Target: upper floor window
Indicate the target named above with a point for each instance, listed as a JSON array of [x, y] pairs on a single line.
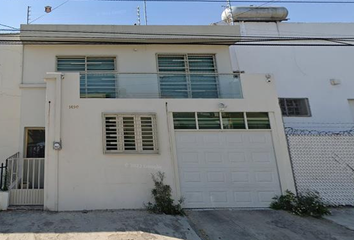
[[295, 107], [97, 75], [188, 76]]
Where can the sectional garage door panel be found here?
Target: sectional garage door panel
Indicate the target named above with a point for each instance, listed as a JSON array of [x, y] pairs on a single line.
[[227, 169]]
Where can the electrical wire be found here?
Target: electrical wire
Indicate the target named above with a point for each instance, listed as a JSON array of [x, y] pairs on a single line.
[[7, 26], [129, 42], [238, 1], [53, 9], [345, 37]]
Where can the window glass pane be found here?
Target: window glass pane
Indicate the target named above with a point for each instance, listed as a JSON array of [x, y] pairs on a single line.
[[172, 63], [35, 143], [184, 120], [100, 85], [209, 120], [201, 63], [173, 86], [100, 64], [258, 121], [203, 86], [295, 107], [233, 120], [71, 64]]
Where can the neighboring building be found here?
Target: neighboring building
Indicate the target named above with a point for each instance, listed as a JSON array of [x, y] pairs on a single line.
[[10, 95], [103, 107], [315, 84], [312, 66]]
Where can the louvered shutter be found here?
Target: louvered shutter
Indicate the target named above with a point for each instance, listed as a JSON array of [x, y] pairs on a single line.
[[130, 133], [111, 133], [203, 85], [148, 136], [97, 75], [197, 78], [173, 85]]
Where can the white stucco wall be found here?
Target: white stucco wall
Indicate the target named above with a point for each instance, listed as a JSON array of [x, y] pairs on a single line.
[[10, 78], [80, 176], [304, 72]]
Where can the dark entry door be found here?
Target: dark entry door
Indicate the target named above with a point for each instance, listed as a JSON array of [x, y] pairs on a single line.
[[35, 143]]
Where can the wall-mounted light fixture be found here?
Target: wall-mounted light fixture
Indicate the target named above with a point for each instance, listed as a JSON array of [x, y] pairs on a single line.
[[222, 106], [334, 81], [268, 78]]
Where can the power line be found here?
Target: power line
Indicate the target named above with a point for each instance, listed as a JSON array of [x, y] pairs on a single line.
[[238, 1], [264, 44], [50, 12], [302, 37], [7, 26]]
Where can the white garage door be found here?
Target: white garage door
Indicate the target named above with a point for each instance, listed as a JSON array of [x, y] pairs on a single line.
[[227, 169]]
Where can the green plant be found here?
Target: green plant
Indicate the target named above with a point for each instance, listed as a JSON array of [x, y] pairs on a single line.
[[162, 195], [304, 204]]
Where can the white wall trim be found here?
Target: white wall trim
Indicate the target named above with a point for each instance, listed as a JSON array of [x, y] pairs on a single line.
[[32, 85]]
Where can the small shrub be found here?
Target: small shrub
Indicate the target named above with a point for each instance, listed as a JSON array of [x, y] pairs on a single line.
[[162, 195], [306, 204]]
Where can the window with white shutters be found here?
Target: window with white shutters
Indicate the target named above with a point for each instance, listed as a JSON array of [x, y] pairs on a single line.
[[130, 133]]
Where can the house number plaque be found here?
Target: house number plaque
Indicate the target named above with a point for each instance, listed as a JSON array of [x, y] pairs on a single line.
[[73, 106]]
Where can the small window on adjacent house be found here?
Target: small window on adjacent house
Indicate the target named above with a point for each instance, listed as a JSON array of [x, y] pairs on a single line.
[[258, 120], [208, 120], [184, 120], [295, 107], [130, 133], [233, 120]]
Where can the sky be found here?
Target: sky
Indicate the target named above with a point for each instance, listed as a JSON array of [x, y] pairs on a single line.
[[13, 12]]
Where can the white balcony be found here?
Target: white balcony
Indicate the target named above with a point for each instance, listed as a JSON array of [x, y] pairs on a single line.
[[160, 85]]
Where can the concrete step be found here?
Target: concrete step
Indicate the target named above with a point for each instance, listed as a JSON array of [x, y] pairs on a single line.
[[25, 208]]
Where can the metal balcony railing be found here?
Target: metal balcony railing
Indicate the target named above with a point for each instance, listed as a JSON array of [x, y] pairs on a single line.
[[159, 85]]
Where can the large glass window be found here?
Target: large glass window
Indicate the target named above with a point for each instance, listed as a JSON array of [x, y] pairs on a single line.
[[184, 120], [233, 120], [187, 76], [97, 75], [221, 120], [258, 120], [208, 120]]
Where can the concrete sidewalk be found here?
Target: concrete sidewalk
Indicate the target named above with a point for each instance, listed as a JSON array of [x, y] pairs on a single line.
[[264, 225], [120, 225], [342, 216]]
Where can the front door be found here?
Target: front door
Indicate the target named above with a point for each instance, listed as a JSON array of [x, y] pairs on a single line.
[[34, 143], [27, 182]]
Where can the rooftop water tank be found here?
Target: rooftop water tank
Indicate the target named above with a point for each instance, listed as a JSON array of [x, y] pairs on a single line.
[[254, 14]]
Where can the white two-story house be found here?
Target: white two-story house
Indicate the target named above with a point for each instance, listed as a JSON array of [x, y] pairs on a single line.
[[103, 107]]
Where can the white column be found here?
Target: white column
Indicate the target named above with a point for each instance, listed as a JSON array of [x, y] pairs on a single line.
[[52, 130]]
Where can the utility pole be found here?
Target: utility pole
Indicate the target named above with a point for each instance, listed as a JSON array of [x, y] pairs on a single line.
[[138, 13], [145, 13], [231, 14], [28, 14]]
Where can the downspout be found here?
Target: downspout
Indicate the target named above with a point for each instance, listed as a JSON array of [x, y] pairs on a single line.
[[57, 131]]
